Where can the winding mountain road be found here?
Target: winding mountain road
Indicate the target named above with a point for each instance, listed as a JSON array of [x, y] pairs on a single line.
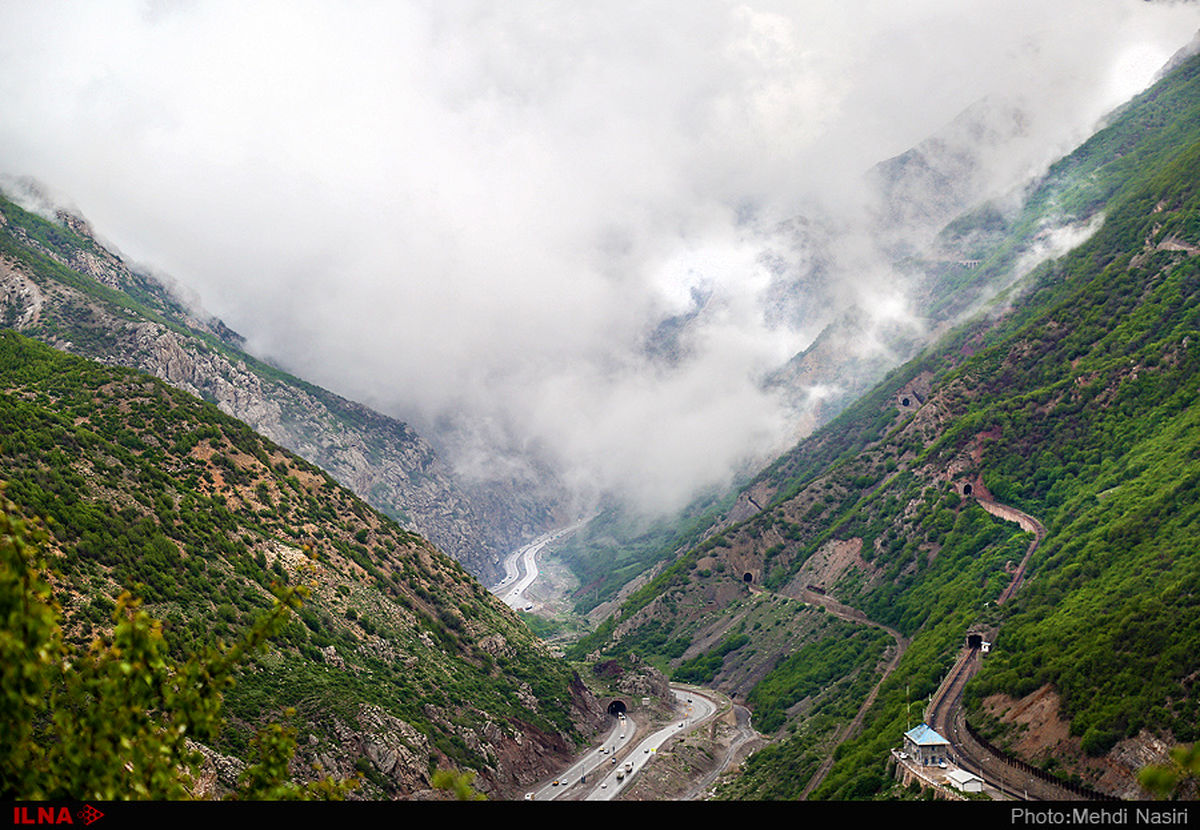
[[694, 709], [845, 612], [1026, 523], [944, 712], [946, 716], [604, 771]]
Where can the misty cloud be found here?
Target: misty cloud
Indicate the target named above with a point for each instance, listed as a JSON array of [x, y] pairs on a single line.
[[554, 229]]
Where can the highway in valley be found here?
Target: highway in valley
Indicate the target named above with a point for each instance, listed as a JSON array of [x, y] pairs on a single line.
[[693, 710], [603, 772], [588, 769], [520, 568], [606, 770]]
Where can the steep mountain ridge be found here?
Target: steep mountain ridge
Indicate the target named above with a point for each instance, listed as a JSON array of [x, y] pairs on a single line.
[[58, 283], [397, 663], [1071, 402], [955, 220]]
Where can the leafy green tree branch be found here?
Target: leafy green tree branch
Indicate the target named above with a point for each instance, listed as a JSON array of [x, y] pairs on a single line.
[[114, 721], [1179, 778]]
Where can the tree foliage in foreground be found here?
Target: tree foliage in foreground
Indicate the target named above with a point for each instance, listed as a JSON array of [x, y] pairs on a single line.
[[458, 783], [114, 722], [1179, 778]]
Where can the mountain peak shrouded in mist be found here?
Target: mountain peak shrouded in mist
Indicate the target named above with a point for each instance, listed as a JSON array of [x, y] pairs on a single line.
[[494, 222], [974, 157]]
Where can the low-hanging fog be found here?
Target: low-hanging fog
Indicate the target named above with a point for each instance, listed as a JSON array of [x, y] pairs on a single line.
[[543, 229]]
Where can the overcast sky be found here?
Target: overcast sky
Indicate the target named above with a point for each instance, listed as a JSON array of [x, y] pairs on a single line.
[[477, 212]]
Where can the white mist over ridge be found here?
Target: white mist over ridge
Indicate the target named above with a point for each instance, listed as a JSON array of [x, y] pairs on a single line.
[[556, 231]]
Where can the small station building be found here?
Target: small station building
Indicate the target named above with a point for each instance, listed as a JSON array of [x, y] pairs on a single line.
[[925, 746]]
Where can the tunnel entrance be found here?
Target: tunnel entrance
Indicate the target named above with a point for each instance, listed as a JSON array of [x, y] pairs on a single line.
[[616, 708], [904, 402], [747, 577], [966, 489], [974, 641]]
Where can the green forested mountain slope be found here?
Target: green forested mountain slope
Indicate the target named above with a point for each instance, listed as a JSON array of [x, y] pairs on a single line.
[[1082, 413], [1142, 135], [398, 662], [1076, 405], [1104, 441], [975, 257]]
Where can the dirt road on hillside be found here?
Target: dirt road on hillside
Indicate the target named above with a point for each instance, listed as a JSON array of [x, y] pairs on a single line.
[[845, 612]]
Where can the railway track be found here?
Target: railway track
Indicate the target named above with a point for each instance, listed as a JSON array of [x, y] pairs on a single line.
[[945, 713]]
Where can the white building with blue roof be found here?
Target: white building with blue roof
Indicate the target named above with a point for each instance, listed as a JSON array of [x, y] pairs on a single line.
[[925, 746]]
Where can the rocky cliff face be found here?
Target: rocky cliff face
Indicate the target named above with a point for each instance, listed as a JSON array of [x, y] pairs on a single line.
[[94, 304]]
